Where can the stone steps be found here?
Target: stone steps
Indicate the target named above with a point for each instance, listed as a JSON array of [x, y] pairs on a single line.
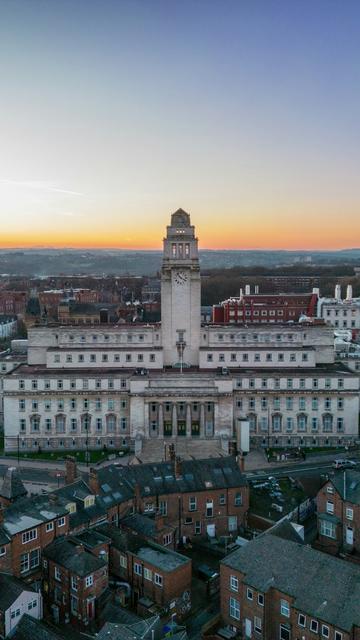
[[153, 450]]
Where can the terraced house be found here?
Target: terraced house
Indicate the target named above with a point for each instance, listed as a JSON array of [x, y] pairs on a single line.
[[284, 590]]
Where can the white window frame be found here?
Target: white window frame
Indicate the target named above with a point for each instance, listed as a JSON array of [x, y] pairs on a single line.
[[285, 608], [29, 535], [89, 580], [234, 583], [158, 580]]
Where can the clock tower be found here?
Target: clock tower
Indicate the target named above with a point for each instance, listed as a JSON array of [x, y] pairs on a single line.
[[180, 293]]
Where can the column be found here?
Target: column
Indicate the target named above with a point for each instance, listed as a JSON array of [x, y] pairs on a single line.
[[174, 419], [202, 420], [161, 420], [146, 420], [188, 420]]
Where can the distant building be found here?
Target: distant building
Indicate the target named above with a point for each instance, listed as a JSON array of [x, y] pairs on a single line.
[[341, 313], [8, 327], [264, 308]]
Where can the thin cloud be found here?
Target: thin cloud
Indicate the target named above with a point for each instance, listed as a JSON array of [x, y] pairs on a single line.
[[40, 185]]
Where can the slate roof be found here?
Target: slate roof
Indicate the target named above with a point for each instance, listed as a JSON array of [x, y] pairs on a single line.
[[143, 525], [29, 628], [117, 483], [77, 492], [352, 485], [10, 589], [26, 513], [63, 552], [12, 486], [286, 531], [135, 631], [4, 538], [322, 586], [92, 538]]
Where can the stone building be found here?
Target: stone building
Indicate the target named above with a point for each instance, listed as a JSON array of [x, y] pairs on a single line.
[[179, 380]]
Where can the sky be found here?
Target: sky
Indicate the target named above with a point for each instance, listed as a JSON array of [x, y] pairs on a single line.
[[115, 113]]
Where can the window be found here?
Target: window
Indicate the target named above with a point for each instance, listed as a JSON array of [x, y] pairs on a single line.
[[147, 574], [329, 507], [137, 569], [349, 513], [289, 404], [234, 583], [314, 404], [249, 594], [21, 405], [301, 620], [32, 605], [2, 551], [238, 500], [197, 527], [222, 499], [57, 574], [192, 503], [74, 583], [89, 581], [158, 580], [327, 529], [260, 599], [257, 624], [24, 563], [27, 536], [49, 527], [234, 609], [209, 508], [74, 604], [314, 626], [284, 632], [123, 561], [325, 632], [167, 538], [285, 608], [338, 635], [61, 522]]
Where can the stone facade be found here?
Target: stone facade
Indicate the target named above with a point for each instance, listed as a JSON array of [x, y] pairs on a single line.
[[114, 386]]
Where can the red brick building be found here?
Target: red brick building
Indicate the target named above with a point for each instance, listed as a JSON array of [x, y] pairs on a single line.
[[13, 302], [338, 513], [274, 588], [75, 581], [195, 497], [259, 308]]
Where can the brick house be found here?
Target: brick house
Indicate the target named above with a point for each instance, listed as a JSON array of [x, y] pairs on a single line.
[[75, 581], [278, 588], [153, 571], [17, 599], [150, 527], [338, 509], [195, 497]]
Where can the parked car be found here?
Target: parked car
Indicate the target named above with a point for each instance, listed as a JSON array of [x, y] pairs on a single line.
[[344, 464]]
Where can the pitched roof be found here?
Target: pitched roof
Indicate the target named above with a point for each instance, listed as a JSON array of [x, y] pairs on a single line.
[[65, 552], [271, 562], [10, 589], [347, 484], [117, 483], [29, 628], [137, 630], [12, 486]]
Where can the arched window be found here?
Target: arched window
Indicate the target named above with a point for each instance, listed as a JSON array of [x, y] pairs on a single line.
[[60, 423], [327, 422], [85, 422], [302, 422], [111, 423]]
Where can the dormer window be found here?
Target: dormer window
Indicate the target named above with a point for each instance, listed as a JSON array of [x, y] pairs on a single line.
[[71, 507], [89, 501]]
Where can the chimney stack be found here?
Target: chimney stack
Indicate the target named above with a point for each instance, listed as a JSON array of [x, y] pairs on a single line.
[[337, 292], [349, 293], [178, 467], [241, 462], [70, 470], [247, 289], [94, 481], [256, 290]]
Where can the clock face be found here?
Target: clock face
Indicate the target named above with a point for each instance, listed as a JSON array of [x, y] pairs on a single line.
[[180, 277]]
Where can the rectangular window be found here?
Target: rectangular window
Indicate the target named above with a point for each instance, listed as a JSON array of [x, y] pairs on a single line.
[[314, 626], [349, 513], [209, 508], [329, 507], [49, 527], [61, 522], [234, 583], [234, 609], [260, 599], [158, 580], [57, 574], [89, 581], [192, 503], [137, 569], [327, 529], [284, 632], [74, 583], [285, 608], [325, 632], [249, 594], [257, 624], [147, 574], [27, 536], [238, 500], [34, 558], [302, 620], [123, 562], [338, 635]]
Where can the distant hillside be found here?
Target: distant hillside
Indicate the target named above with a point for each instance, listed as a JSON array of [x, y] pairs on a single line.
[[44, 262]]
